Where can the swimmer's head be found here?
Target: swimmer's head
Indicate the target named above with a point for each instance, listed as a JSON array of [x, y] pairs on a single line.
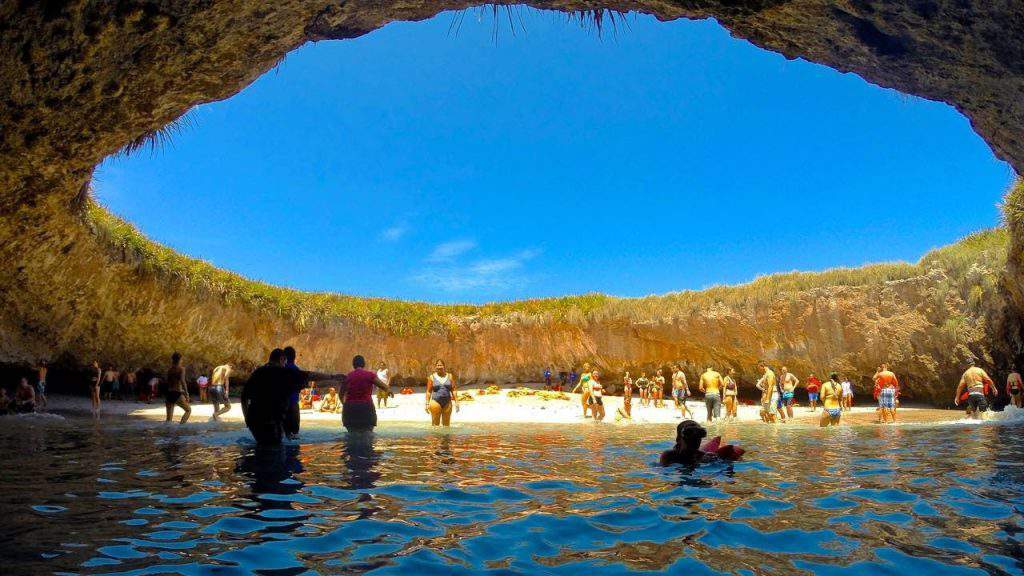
[[689, 434]]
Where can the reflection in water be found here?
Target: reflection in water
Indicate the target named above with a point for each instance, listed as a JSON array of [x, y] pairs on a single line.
[[361, 459], [135, 498]]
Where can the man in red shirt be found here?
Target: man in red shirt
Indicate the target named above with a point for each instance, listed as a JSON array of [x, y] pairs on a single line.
[[887, 392], [813, 387]]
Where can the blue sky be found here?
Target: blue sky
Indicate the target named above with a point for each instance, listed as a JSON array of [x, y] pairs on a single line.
[[422, 164]]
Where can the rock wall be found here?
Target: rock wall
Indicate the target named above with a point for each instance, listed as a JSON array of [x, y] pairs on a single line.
[[80, 80], [77, 298]]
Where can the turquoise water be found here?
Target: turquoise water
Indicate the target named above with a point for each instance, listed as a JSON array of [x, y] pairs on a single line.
[[140, 498]]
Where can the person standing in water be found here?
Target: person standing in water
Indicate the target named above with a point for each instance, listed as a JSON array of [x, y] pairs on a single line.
[[789, 383], [547, 378], [358, 413], [974, 382], [441, 396], [383, 394], [831, 401], [711, 386], [888, 393], [177, 390], [584, 388], [813, 389], [730, 397], [768, 385], [265, 399], [1015, 388], [596, 396], [41, 369], [220, 391], [94, 388]]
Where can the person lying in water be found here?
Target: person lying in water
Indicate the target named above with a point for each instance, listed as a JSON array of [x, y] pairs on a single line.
[[688, 448]]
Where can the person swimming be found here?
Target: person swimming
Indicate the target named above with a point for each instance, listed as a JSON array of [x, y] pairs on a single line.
[[831, 401], [688, 448]]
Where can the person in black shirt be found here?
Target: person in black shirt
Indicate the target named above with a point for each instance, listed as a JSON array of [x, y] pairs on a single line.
[[265, 399]]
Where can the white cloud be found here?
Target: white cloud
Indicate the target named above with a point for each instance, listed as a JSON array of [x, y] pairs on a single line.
[[449, 251], [488, 275], [394, 233]]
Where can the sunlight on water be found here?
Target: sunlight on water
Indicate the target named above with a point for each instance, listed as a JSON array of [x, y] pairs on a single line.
[[140, 498]]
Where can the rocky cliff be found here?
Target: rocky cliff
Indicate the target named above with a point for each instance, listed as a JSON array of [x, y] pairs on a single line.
[[80, 80], [99, 290]]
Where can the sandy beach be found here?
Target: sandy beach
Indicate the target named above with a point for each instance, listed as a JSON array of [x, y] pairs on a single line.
[[501, 407]]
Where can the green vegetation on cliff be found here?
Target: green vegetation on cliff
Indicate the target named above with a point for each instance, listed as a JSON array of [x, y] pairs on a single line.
[[984, 252]]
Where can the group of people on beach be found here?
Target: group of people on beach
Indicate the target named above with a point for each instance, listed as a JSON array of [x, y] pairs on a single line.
[[271, 397], [279, 390]]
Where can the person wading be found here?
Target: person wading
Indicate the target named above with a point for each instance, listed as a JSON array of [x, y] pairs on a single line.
[[711, 386], [177, 390], [831, 401], [974, 382], [731, 394], [887, 387], [220, 391], [768, 386], [1015, 388], [265, 399], [441, 396], [358, 413]]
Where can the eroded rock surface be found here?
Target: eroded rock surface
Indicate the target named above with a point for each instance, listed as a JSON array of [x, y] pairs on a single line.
[[80, 80]]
